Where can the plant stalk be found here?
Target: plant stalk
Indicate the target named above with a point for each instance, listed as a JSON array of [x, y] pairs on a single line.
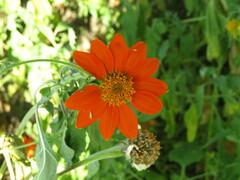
[[113, 152]]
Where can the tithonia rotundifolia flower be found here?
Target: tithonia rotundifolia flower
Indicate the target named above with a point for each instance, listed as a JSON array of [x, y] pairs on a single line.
[[125, 78]]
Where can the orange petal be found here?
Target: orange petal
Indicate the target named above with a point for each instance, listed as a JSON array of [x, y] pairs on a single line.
[[30, 152], [82, 100], [90, 63], [87, 117], [109, 121], [151, 85], [136, 58], [137, 46], [103, 54], [128, 124], [146, 102], [148, 69], [119, 51]]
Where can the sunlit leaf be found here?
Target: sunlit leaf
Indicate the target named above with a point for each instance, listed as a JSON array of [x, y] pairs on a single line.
[[48, 33]]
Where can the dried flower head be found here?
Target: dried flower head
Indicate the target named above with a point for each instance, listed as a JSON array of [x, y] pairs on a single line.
[[143, 150]]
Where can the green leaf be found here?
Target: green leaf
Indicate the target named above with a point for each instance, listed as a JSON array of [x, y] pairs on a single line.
[[49, 106], [215, 22], [65, 150], [71, 37], [199, 99], [130, 24], [93, 169], [46, 91], [162, 51], [59, 127], [153, 36], [42, 7], [48, 33], [191, 122], [236, 61], [186, 153], [189, 4], [45, 157], [77, 140], [46, 160], [60, 27], [171, 124]]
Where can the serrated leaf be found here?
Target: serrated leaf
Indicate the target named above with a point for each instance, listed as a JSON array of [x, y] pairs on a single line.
[[191, 122], [186, 154]]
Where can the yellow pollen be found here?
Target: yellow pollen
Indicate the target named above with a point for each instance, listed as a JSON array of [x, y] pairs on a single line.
[[117, 88]]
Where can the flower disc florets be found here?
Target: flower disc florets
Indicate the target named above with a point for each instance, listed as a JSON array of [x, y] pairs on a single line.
[[117, 88]]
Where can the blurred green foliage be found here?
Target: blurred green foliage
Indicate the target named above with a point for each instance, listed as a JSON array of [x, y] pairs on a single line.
[[199, 127]]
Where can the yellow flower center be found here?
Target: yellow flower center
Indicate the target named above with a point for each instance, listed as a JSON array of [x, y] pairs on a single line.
[[117, 88]]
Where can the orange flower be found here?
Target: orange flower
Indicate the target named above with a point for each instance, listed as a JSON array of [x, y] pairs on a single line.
[[125, 76], [30, 149]]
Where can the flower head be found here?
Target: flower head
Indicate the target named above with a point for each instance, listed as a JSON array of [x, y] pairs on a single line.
[[125, 76], [30, 149], [144, 150]]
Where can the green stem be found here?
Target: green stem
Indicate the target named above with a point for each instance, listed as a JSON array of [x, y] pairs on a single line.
[[43, 60], [182, 176], [17, 147], [113, 152]]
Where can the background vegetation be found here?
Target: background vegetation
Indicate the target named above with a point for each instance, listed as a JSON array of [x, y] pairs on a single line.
[[199, 127]]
